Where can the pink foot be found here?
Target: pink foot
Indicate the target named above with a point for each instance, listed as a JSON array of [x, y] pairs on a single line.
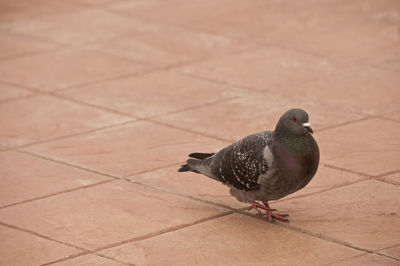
[[268, 212]]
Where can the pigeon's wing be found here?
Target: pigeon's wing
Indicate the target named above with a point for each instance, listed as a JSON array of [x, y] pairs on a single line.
[[242, 163]]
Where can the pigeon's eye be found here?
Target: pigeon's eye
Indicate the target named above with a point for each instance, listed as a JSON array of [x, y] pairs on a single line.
[[294, 119]]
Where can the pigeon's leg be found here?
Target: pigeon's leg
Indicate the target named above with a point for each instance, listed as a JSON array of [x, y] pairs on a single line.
[[269, 212]]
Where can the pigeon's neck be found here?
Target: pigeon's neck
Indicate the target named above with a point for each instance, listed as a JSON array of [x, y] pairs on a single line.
[[287, 141], [287, 150]]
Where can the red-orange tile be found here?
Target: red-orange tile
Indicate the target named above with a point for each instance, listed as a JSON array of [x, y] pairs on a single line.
[[14, 44], [22, 248], [87, 260], [47, 117], [270, 67], [65, 68], [106, 214], [231, 240], [365, 214], [367, 146], [152, 94], [126, 150], [8, 92], [44, 177]]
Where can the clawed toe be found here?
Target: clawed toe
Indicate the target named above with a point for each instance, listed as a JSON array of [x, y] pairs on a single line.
[[268, 212]]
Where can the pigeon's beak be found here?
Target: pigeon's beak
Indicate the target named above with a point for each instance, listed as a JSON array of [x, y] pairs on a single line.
[[308, 127]]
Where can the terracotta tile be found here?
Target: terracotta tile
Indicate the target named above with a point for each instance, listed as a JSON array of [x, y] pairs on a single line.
[[128, 149], [156, 47], [13, 44], [363, 214], [364, 90], [190, 184], [395, 178], [21, 248], [242, 237], [152, 94], [254, 112], [368, 260], [26, 9], [47, 117], [267, 68], [106, 214], [43, 178], [202, 187], [8, 92], [326, 178], [88, 260], [393, 251], [367, 146], [393, 116], [77, 28], [184, 12], [65, 68], [330, 32]]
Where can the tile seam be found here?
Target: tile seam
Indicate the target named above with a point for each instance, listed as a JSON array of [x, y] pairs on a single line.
[[56, 193]]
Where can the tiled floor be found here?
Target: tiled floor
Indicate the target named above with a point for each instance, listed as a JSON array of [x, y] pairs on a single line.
[[101, 101]]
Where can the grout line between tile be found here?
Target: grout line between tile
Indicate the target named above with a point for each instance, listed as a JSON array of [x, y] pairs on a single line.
[[143, 237], [66, 163], [43, 236], [345, 170], [382, 179], [189, 130], [76, 134], [347, 123], [333, 240], [164, 231], [56, 193]]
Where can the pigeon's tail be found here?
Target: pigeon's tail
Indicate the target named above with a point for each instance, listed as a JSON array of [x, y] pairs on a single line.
[[201, 156], [187, 168], [199, 166]]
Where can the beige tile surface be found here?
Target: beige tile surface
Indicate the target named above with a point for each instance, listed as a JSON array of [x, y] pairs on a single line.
[[47, 117], [106, 214]]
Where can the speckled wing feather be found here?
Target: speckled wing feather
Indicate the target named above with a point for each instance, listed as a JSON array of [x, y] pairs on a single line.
[[241, 163]]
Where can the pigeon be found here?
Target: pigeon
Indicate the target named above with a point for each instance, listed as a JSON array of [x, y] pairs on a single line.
[[264, 166]]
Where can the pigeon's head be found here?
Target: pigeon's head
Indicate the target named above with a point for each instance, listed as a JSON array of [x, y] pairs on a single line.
[[294, 121]]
